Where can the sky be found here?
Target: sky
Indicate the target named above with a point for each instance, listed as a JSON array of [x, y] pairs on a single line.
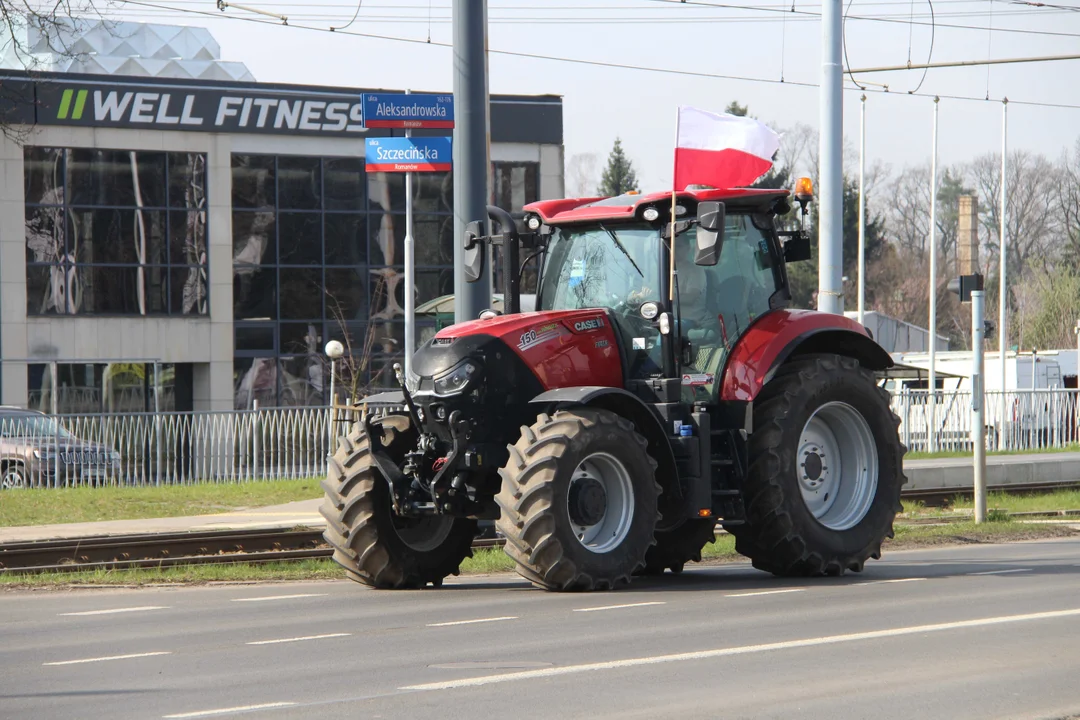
[[744, 39]]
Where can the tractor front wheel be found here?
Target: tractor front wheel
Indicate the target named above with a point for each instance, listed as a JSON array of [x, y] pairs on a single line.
[[823, 485], [578, 500], [376, 546]]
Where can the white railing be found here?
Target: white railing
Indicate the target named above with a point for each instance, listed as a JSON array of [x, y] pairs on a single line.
[[164, 448], [1033, 420]]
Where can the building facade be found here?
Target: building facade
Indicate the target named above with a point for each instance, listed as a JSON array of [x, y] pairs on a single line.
[[192, 245]]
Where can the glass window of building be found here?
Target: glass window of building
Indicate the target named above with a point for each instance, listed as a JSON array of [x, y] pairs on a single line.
[[115, 232], [95, 388]]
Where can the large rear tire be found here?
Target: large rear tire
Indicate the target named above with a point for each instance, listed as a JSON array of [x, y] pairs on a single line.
[[578, 501], [679, 545], [825, 473], [374, 545]]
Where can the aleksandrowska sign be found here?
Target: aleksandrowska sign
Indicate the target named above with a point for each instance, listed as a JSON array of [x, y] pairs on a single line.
[[200, 109]]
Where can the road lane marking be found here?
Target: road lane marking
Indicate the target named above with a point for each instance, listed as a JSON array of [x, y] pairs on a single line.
[[886, 582], [278, 597], [299, 639], [116, 610], [226, 711], [618, 607], [103, 659], [766, 592], [1001, 572], [472, 622], [739, 650]]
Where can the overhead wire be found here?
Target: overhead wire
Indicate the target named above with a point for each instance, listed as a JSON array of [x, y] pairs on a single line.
[[359, 4], [604, 63]]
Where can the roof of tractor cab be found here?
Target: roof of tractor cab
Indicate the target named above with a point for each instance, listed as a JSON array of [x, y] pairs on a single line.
[[625, 207]]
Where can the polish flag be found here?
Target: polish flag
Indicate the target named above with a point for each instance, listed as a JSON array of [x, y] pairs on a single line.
[[720, 150]]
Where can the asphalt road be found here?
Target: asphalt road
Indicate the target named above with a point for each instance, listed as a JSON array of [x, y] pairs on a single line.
[[972, 632]]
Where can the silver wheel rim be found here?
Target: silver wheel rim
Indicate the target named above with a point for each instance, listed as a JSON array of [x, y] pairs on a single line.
[[613, 523], [837, 466], [424, 534], [12, 480]]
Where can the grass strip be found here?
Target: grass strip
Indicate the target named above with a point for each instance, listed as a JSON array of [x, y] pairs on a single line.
[[945, 454], [489, 561], [48, 506]]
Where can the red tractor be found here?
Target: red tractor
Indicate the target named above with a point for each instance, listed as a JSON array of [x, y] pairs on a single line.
[[661, 387]]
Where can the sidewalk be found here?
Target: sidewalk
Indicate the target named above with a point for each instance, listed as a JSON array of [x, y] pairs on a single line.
[[303, 512]]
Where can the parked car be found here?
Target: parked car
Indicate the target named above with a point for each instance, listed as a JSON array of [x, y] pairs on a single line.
[[38, 451]]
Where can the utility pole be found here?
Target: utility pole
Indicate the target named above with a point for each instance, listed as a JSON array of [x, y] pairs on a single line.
[[470, 148], [862, 208], [830, 202], [932, 396], [1003, 292], [978, 399]]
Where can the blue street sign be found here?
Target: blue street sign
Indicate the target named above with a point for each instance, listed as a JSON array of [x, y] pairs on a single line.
[[418, 154], [387, 110]]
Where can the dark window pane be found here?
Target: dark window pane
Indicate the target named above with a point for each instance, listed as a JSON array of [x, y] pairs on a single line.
[[299, 183], [254, 238], [301, 294], [187, 238], [381, 373], [253, 181], [300, 381], [388, 337], [189, 291], [386, 239], [299, 238], [118, 236], [432, 192], [187, 180], [43, 175], [346, 239], [516, 184], [254, 338], [254, 292], [118, 291], [346, 295], [254, 379], [344, 183], [46, 291], [300, 338], [46, 230], [434, 236], [108, 177], [348, 333], [430, 284]]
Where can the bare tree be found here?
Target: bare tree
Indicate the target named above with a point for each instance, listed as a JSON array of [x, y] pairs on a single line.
[[1067, 203], [581, 172]]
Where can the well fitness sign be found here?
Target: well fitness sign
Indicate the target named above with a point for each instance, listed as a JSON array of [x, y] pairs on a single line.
[[200, 109]]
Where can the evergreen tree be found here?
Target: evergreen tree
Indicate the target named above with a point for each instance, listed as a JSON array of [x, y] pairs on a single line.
[[619, 176]]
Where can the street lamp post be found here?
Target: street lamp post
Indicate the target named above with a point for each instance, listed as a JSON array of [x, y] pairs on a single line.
[[334, 350]]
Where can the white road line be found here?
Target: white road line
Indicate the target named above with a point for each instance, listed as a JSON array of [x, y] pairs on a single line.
[[471, 622], [226, 711], [766, 592], [103, 659], [278, 597], [298, 639], [1001, 572], [739, 650], [618, 607], [886, 582], [116, 610]]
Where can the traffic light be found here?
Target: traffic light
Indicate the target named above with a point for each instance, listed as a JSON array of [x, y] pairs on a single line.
[[964, 285]]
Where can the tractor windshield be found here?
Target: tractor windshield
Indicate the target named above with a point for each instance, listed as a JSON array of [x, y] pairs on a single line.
[[601, 266]]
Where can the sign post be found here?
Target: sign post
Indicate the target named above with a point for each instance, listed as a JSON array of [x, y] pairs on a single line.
[[970, 289], [408, 111]]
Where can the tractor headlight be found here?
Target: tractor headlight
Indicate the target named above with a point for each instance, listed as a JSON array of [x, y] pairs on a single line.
[[457, 379]]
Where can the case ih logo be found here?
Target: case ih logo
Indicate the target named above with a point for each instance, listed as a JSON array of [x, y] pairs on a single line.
[[209, 109], [591, 324]]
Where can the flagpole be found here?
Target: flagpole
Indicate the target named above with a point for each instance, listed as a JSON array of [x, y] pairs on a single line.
[[671, 238]]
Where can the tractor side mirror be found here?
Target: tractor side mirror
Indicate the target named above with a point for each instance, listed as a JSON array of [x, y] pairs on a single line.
[[474, 251], [710, 233]]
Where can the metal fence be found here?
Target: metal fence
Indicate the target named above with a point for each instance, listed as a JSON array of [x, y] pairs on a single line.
[[263, 444], [1032, 420], [165, 448]]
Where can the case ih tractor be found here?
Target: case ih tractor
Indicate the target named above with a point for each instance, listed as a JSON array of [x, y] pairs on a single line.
[[661, 387]]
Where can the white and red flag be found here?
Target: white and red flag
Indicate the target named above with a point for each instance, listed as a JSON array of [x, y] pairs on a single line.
[[720, 150]]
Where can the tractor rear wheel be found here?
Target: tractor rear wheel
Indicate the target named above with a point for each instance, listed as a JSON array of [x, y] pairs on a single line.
[[825, 472], [578, 500], [374, 545], [679, 545]]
